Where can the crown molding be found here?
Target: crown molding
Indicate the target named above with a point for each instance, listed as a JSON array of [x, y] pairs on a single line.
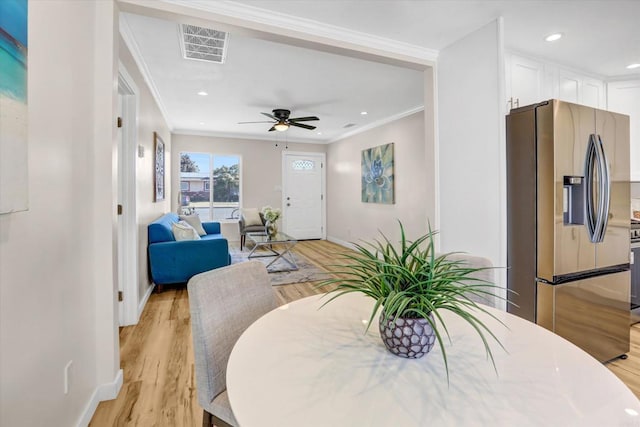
[[290, 23], [246, 137], [377, 123], [132, 45]]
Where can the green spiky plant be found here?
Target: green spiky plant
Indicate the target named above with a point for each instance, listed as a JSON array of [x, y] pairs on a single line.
[[413, 282]]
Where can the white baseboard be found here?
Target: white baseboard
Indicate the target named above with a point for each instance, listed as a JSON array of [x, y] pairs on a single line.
[[341, 242], [145, 298], [108, 391]]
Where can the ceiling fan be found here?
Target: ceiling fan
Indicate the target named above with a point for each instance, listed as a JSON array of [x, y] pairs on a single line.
[[283, 121]]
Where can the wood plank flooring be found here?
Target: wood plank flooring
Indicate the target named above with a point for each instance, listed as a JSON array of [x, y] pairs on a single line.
[[157, 356]]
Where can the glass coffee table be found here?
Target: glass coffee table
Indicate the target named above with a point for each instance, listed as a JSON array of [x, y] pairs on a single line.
[[278, 246]]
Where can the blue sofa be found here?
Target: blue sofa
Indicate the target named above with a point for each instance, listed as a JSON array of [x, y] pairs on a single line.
[[174, 261]]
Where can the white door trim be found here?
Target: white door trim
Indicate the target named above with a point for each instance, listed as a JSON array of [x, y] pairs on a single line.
[[126, 85], [323, 159]]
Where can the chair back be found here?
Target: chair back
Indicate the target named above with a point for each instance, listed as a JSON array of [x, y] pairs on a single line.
[[223, 304], [485, 275]]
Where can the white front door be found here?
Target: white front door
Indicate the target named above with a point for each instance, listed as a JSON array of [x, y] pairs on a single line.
[[303, 195]]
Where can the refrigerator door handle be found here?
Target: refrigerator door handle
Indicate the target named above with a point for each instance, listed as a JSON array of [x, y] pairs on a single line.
[[604, 202], [591, 215]]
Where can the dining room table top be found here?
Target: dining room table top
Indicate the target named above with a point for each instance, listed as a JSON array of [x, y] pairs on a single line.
[[305, 364]]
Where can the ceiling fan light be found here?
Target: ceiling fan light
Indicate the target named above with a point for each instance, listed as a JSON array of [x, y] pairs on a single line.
[[281, 127]]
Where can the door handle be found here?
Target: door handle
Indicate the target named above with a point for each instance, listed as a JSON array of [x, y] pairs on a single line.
[[597, 217], [590, 211], [605, 189]]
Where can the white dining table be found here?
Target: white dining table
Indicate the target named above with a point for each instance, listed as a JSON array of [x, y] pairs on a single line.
[[302, 365]]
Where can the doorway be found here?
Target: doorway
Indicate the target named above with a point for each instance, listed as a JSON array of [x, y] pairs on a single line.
[[127, 245], [303, 195]]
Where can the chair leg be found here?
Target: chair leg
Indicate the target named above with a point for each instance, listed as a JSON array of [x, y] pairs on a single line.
[[207, 419], [242, 236]]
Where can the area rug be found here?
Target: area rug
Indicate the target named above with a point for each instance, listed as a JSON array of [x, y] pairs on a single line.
[[306, 272]]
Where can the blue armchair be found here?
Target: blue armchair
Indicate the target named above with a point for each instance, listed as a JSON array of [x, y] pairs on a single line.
[[174, 261]]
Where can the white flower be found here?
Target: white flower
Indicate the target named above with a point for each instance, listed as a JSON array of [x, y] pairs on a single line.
[[271, 214]]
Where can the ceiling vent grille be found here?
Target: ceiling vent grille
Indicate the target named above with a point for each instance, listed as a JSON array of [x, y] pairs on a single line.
[[203, 44]]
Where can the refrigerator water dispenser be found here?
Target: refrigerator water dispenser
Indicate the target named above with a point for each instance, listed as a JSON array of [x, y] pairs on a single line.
[[573, 200]]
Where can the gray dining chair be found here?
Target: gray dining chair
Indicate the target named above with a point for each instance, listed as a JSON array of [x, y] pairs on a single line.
[[486, 275], [223, 303]]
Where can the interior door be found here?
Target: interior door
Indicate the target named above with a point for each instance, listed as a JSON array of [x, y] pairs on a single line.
[[120, 225], [614, 132], [303, 195]]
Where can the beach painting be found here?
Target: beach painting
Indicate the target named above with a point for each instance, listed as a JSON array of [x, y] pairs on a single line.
[[378, 175], [13, 106]]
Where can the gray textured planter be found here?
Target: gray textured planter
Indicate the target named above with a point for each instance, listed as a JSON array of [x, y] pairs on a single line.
[[406, 337]]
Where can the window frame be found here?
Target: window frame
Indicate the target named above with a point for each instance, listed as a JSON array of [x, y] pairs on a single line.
[[209, 183]]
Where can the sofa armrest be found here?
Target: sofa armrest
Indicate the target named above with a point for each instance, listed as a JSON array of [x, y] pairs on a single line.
[[177, 262], [211, 227]]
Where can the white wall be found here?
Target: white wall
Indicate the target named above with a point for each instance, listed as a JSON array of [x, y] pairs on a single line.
[[261, 168], [149, 120], [57, 295], [471, 145], [348, 218]]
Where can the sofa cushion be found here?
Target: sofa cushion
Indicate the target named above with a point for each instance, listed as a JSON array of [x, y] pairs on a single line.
[[183, 231], [194, 221]]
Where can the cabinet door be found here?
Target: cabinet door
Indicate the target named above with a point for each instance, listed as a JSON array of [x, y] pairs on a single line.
[[624, 97], [524, 81], [569, 86], [593, 93]]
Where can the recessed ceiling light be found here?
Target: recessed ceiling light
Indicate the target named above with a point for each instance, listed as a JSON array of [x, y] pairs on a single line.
[[364, 113], [202, 93], [632, 66], [553, 37], [201, 123], [319, 133]]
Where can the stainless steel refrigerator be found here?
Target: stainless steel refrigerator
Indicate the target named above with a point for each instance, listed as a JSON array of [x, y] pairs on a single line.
[[568, 204]]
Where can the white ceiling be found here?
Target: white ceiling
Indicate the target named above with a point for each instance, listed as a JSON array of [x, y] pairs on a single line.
[[600, 38]]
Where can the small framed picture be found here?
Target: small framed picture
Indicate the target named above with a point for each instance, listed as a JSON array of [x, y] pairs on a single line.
[[158, 179]]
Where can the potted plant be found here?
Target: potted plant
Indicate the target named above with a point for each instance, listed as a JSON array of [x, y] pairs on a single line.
[[413, 285], [271, 215]]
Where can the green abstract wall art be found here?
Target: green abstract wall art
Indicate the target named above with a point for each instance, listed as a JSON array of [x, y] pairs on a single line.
[[378, 175]]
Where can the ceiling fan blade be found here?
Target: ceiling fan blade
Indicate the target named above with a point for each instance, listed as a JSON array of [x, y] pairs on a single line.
[[271, 116], [304, 119], [300, 125], [272, 129], [244, 123]]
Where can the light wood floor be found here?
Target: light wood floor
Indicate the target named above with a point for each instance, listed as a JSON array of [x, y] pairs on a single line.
[[157, 356]]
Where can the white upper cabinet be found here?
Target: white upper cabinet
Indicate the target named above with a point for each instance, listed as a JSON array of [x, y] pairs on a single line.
[[524, 78], [529, 81], [569, 86], [624, 97], [593, 93]]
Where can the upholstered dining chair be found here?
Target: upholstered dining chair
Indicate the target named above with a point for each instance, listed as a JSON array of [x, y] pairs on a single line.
[[251, 221], [223, 303], [486, 275]]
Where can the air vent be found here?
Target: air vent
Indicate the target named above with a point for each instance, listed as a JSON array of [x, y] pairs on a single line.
[[203, 44], [349, 125]]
